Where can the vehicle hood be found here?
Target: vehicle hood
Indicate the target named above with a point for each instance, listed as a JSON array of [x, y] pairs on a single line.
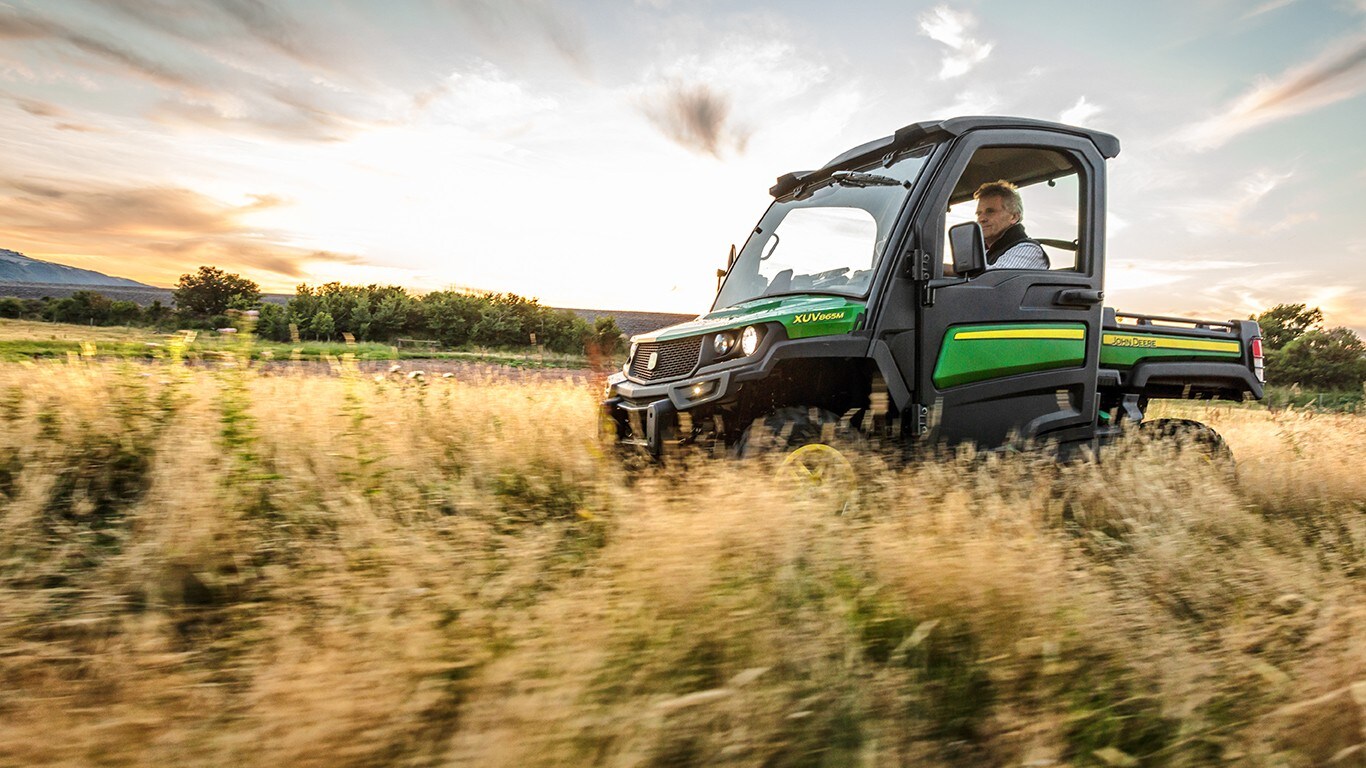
[[803, 316]]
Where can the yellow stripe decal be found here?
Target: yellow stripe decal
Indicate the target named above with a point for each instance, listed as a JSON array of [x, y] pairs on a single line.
[[1024, 333], [1164, 342]]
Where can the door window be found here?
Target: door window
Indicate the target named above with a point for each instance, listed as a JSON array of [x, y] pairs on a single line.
[[1049, 185]]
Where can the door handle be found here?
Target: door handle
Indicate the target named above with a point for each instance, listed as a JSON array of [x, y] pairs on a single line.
[[1078, 297]]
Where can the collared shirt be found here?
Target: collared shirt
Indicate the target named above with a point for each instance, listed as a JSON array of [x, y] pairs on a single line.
[[1014, 250], [1026, 255]]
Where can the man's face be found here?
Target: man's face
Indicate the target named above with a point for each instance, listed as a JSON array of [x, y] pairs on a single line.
[[993, 217]]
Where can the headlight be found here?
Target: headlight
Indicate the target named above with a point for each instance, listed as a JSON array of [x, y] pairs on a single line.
[[632, 354], [749, 340], [723, 343]]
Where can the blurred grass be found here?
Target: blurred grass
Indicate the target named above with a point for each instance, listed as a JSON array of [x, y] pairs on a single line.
[[207, 566]]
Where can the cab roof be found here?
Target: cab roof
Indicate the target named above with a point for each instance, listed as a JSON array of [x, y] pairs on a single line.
[[921, 133]]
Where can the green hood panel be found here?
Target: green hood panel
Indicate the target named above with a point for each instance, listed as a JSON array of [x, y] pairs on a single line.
[[802, 316]]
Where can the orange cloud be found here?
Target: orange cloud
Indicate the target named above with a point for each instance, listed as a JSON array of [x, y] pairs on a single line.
[[150, 234], [1337, 74]]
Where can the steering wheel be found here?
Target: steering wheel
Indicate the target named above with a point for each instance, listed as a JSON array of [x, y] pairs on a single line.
[[827, 274]]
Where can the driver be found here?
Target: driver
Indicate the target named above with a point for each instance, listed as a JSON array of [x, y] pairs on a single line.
[[999, 214]]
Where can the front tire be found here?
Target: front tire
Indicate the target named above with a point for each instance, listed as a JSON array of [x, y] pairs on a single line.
[[809, 446]]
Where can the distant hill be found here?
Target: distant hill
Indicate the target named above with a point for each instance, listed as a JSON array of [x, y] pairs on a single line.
[[17, 268]]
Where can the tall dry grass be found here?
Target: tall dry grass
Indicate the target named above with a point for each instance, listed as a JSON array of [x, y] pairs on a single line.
[[213, 567]]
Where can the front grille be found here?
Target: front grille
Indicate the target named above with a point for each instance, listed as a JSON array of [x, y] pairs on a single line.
[[676, 358]]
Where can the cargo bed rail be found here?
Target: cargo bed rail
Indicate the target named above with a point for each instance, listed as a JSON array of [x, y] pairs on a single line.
[[1112, 320]]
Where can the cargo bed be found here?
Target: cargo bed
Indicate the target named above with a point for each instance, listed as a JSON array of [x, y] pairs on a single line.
[[1176, 357]]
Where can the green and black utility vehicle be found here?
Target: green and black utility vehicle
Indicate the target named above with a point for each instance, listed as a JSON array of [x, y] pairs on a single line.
[[864, 299]]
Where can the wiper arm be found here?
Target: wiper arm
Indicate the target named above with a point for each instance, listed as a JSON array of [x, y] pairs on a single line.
[[856, 179]]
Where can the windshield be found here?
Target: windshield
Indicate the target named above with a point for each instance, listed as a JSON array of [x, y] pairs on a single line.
[[830, 241]]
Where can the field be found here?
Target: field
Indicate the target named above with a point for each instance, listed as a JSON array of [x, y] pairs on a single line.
[[205, 565], [32, 340]]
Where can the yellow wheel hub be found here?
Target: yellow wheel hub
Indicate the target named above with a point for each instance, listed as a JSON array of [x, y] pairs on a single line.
[[821, 473]]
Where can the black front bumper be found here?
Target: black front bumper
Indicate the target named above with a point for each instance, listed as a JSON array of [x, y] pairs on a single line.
[[646, 415]]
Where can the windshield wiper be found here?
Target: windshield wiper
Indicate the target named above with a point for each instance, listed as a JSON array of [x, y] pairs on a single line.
[[856, 179]]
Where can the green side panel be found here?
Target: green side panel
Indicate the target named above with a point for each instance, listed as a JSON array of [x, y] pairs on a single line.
[[1130, 348], [969, 354], [822, 322]]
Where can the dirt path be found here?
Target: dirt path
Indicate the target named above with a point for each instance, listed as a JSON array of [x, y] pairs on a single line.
[[459, 369]]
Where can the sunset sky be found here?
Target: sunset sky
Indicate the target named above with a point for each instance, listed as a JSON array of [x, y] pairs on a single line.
[[606, 154]]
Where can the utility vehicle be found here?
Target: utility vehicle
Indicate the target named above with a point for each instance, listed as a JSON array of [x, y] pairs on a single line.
[[858, 301]]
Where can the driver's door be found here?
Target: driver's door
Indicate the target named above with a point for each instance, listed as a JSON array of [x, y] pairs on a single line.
[[1014, 353]]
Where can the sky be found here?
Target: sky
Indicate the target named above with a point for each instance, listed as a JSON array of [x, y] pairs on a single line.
[[607, 154]]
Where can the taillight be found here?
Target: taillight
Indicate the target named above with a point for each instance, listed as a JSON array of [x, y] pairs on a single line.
[[1258, 362]]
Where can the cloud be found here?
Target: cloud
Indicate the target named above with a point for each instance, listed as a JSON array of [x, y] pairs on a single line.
[[1235, 213], [969, 101], [264, 69], [484, 99], [1266, 7], [40, 108], [710, 102], [1079, 113], [1335, 75], [293, 119], [149, 233], [221, 27], [18, 26], [696, 117], [520, 24], [228, 65], [944, 25]]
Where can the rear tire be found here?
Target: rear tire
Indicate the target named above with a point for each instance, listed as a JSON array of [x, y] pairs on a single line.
[[1191, 437]]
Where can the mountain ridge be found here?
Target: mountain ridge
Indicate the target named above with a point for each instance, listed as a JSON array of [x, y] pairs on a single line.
[[15, 267]]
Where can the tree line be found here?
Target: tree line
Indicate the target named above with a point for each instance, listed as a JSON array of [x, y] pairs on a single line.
[[1299, 350], [211, 298]]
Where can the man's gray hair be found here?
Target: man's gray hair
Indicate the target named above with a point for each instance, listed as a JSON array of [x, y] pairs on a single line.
[[1004, 190]]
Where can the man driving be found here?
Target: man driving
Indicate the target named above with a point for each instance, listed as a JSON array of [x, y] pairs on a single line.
[[999, 214]]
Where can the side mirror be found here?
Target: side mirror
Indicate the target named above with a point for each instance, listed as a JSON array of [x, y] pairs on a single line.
[[730, 262], [969, 250]]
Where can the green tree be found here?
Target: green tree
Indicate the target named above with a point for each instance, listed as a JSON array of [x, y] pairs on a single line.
[[1284, 323], [606, 339], [450, 316], [394, 313], [1331, 359], [11, 308], [157, 314], [273, 323], [86, 307], [124, 313], [322, 326], [360, 321], [211, 291]]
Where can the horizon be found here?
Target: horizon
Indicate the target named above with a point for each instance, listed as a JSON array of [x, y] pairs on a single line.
[[589, 155]]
